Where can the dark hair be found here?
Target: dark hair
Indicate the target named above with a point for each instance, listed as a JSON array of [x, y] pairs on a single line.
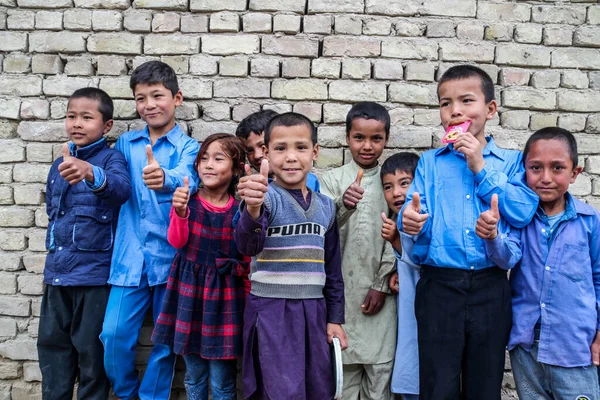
[[105, 103], [368, 110], [403, 161], [155, 72], [234, 148], [290, 119], [553, 133], [254, 123], [465, 71]]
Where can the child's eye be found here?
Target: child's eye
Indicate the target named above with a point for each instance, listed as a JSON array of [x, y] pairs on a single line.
[[387, 187], [444, 104], [279, 148], [467, 100], [405, 184]]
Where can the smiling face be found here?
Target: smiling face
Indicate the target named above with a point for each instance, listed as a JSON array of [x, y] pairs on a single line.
[[215, 168], [366, 141], [254, 149], [84, 123], [395, 187], [549, 170], [291, 153], [462, 100], [156, 105]]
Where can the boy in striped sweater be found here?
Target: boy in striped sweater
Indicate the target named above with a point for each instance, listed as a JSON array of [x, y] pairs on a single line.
[[296, 305]]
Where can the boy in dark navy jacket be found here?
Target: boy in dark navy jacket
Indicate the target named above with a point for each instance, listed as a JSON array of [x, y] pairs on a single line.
[[85, 188]]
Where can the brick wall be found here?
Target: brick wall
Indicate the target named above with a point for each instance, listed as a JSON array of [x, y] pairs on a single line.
[[235, 57]]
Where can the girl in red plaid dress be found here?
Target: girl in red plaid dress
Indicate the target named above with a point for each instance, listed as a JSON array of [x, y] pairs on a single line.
[[203, 307]]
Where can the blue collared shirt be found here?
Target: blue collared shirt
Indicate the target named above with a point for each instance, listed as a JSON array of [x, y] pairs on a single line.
[[454, 197], [556, 278], [141, 238]]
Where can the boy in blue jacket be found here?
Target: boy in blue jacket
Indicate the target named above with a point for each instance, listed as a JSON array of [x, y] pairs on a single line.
[[84, 191]]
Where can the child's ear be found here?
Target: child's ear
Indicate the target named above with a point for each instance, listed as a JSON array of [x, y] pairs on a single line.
[[315, 154], [492, 109], [265, 151], [576, 171], [178, 98], [108, 126], [348, 138]]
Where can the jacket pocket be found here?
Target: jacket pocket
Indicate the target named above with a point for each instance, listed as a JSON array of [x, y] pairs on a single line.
[[93, 228], [50, 230], [575, 262]]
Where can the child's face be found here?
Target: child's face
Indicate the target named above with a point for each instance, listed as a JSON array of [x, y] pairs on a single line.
[[463, 99], [549, 170], [215, 167], [84, 122], [395, 187], [156, 105], [366, 140], [291, 154], [254, 149]]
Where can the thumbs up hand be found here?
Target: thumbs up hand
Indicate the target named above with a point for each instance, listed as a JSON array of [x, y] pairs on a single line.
[[487, 223], [153, 174], [241, 186], [412, 219], [74, 170], [389, 231], [255, 187], [181, 197], [354, 193]]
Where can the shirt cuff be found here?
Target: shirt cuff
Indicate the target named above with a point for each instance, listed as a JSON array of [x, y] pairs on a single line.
[[480, 176], [335, 314], [99, 179]]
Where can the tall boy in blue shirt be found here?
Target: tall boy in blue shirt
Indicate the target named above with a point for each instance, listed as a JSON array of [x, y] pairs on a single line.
[[462, 300], [158, 157], [555, 338], [85, 188]]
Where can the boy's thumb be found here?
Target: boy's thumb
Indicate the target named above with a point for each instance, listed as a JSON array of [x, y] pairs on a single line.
[[359, 176], [247, 170], [416, 202], [264, 168], [65, 151], [494, 206], [149, 154], [384, 217], [186, 182]]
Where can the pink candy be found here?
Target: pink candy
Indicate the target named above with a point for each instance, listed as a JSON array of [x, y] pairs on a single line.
[[454, 130]]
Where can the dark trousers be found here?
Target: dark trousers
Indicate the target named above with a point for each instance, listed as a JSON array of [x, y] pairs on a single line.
[[464, 319], [68, 342]]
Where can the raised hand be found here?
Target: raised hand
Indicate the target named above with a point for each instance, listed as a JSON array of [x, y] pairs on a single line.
[[412, 219], [389, 231], [181, 197], [153, 174], [74, 170], [241, 186], [487, 223], [354, 193], [468, 145], [255, 188]]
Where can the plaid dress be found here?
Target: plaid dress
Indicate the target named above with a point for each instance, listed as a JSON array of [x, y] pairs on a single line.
[[203, 306]]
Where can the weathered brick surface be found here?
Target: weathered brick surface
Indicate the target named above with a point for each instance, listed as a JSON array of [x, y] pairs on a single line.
[[234, 57]]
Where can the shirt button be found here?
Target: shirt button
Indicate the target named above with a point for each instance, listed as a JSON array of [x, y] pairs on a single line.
[[472, 267], [468, 196], [60, 248], [257, 230], [543, 305], [56, 280], [467, 231], [62, 213], [547, 268], [543, 231]]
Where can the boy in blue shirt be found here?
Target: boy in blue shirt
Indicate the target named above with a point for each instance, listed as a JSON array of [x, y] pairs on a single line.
[[555, 337], [84, 190], [158, 157], [462, 300], [397, 173]]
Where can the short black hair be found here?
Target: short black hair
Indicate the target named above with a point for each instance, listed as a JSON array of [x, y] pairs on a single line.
[[155, 72], [105, 103], [254, 123], [554, 133], [368, 110], [290, 119], [403, 161], [466, 71]]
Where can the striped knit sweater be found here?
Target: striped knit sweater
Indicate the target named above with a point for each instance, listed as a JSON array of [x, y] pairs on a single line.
[[291, 264]]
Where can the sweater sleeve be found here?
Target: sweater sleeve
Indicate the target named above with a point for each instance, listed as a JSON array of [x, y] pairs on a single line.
[[179, 230], [334, 282]]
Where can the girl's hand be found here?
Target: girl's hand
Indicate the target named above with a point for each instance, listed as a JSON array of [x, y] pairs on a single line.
[[336, 330], [255, 188], [393, 284], [181, 198]]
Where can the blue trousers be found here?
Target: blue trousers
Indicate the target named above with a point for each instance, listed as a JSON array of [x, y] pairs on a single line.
[[124, 317], [222, 374]]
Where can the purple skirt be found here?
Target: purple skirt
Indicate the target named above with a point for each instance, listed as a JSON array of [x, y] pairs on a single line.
[[286, 354]]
